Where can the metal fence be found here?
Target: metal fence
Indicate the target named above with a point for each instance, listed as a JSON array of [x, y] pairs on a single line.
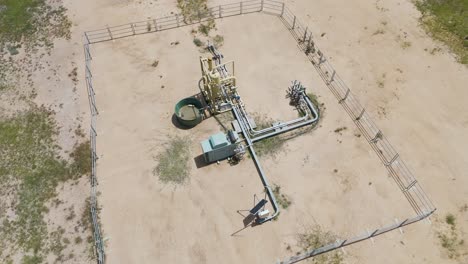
[[382, 147], [99, 248], [396, 167], [177, 20]]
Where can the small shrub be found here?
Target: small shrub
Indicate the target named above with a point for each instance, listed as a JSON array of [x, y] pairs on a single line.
[[74, 75], [205, 29], [78, 240], [13, 49], [218, 41], [340, 129], [450, 219], [406, 44], [381, 83], [198, 42]]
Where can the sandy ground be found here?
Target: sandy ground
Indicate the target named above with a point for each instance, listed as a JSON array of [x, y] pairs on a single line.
[[145, 221]]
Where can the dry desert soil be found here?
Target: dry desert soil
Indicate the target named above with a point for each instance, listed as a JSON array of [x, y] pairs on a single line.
[[331, 176]]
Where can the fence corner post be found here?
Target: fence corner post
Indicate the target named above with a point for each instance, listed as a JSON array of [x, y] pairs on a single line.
[[87, 38]]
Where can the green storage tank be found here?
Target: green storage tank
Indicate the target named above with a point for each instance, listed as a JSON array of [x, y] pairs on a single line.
[[188, 112]]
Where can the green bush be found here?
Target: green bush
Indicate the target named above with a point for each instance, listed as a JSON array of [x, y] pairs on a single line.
[[198, 42]]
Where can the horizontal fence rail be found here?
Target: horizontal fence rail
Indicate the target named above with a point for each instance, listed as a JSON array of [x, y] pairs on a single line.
[[395, 165]]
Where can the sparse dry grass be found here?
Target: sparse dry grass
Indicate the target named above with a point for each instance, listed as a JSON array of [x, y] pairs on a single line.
[[173, 164], [271, 146], [447, 22], [281, 198], [314, 237], [31, 168], [450, 240]]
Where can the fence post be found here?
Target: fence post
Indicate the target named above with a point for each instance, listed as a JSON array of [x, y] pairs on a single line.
[[294, 23], [240, 7], [376, 137], [133, 28], [345, 97], [88, 71], [155, 25], [360, 115], [333, 77], [321, 57], [87, 38], [177, 19], [220, 10], [261, 6], [282, 9], [305, 33], [88, 53], [110, 33], [390, 163]]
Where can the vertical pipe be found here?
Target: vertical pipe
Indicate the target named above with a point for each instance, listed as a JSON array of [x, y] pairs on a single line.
[[240, 7], [261, 6], [220, 11], [294, 23]]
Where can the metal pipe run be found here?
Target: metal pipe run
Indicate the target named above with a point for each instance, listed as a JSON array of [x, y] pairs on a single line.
[[237, 107], [310, 121], [267, 187]]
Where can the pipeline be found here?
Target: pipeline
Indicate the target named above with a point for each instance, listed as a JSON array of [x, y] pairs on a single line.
[[267, 187], [247, 129], [310, 121]]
